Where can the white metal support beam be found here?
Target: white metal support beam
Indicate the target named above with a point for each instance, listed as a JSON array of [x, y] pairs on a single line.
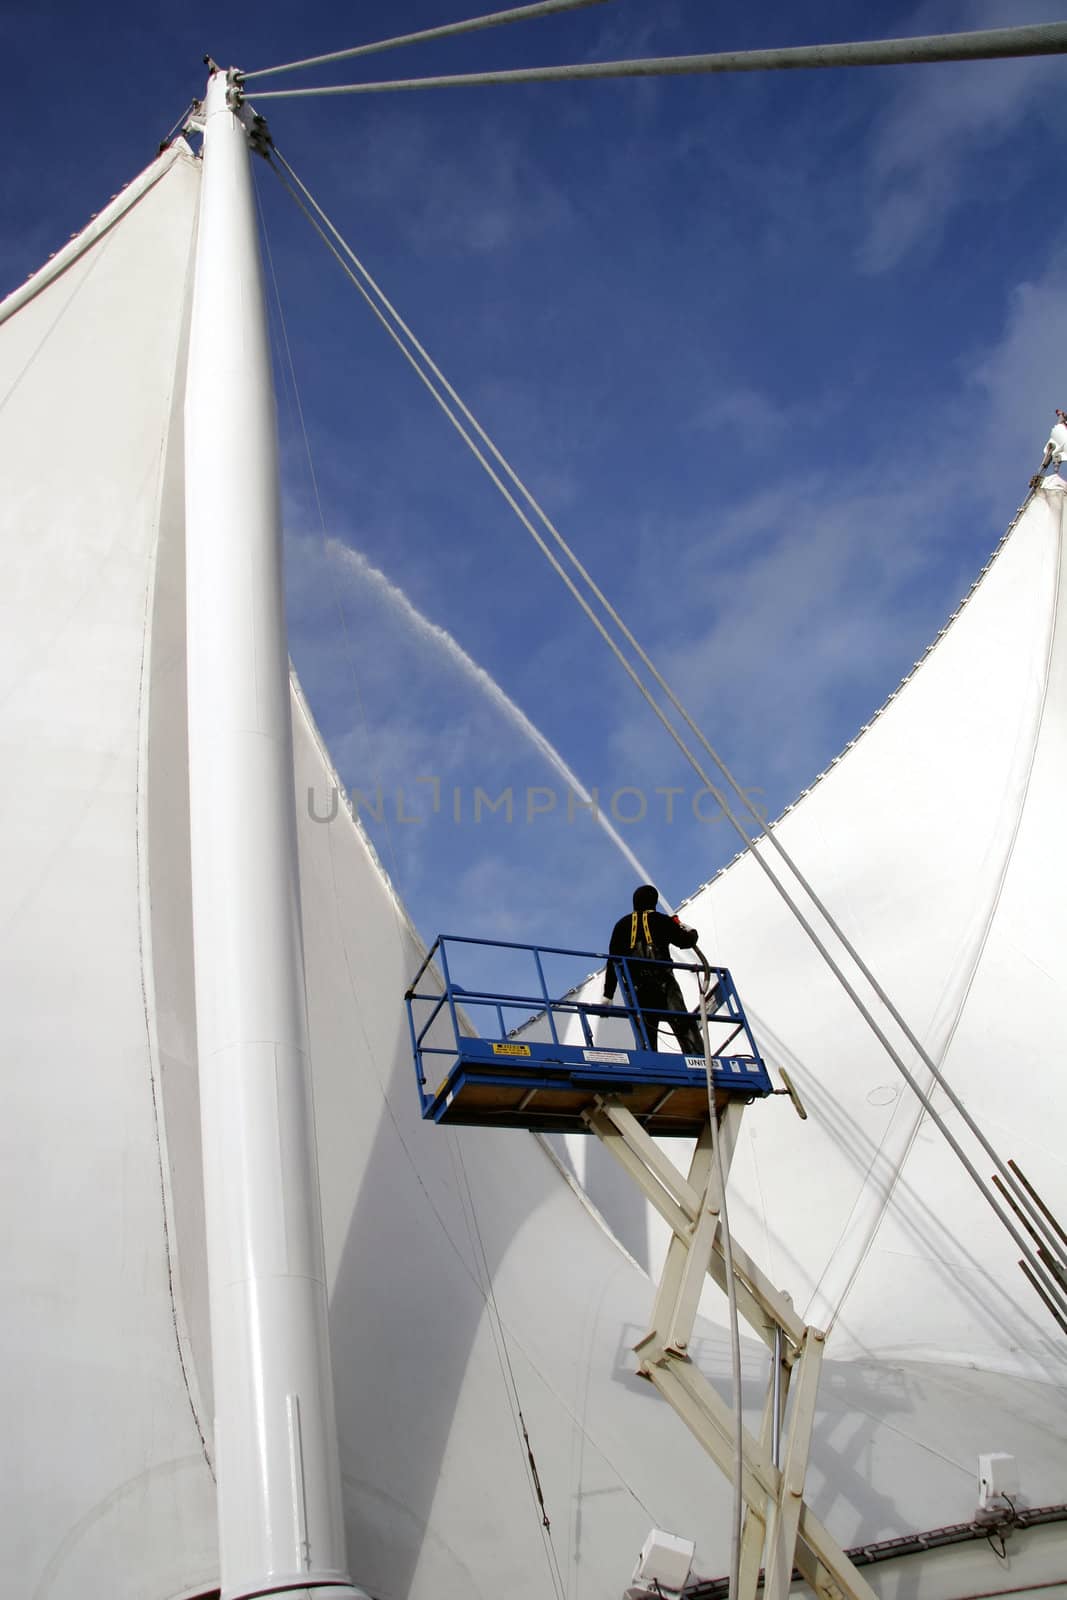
[[754, 1527], [701, 1243], [630, 1158], [670, 1286], [281, 1527], [686, 1194], [779, 1528], [785, 1511]]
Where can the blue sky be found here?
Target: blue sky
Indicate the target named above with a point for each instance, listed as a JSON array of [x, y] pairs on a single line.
[[778, 353]]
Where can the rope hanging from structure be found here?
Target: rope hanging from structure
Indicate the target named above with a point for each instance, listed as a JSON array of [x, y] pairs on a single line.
[[738, 1507], [482, 447], [507, 1371]]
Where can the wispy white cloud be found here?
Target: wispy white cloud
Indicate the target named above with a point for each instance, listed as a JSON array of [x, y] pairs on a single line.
[[939, 120], [1022, 377], [477, 193], [764, 425], [786, 543], [797, 597], [751, 412], [620, 35], [801, 620]]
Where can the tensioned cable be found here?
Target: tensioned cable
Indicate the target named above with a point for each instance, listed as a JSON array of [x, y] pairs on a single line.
[[181, 124], [492, 19], [485, 1288], [651, 668], [290, 367], [731, 1294], [848, 987], [767, 832], [496, 1326], [986, 44], [487, 1291], [534, 733], [694, 762]]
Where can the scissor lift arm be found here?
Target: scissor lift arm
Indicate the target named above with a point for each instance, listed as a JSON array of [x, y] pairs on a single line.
[[496, 1077]]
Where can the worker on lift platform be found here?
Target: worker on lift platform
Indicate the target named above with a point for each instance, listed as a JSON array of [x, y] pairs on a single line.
[[645, 937]]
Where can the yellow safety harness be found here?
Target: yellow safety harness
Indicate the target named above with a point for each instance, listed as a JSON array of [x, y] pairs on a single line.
[[645, 928]]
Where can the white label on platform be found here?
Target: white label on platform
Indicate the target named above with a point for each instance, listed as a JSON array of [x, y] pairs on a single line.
[[717, 1064], [617, 1057]]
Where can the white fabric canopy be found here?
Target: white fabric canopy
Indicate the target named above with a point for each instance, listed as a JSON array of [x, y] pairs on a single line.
[[937, 839], [104, 1350], [937, 843], [104, 1470]]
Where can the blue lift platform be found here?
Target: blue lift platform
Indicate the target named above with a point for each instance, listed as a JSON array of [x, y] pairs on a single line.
[[521, 1058], [494, 1048]]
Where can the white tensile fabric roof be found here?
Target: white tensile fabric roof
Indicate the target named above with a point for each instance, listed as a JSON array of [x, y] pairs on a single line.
[[104, 1343], [104, 1346], [102, 1453], [937, 843]]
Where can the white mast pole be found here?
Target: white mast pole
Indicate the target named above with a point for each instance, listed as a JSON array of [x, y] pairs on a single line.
[[279, 1491]]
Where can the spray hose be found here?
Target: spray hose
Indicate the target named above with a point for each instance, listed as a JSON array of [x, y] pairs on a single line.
[[707, 982]]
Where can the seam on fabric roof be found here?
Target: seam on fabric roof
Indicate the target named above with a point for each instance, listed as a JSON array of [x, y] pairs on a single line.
[[405, 924], [484, 1291], [569, 1411], [587, 1204], [350, 811], [97, 228], [400, 911], [886, 703], [1036, 1353], [59, 317], [498, 1335], [383, 1088], [182, 1339], [986, 930]]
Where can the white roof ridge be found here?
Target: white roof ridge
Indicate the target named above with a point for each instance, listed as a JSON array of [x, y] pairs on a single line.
[[97, 226]]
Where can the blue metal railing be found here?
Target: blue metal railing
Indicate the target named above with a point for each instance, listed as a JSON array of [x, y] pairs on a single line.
[[471, 1012]]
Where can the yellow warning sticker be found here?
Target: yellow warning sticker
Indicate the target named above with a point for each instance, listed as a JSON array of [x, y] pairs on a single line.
[[511, 1049]]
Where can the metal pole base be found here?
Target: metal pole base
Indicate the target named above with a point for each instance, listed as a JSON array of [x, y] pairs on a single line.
[[318, 1591]]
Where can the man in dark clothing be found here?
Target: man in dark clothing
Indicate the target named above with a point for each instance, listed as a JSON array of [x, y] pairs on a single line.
[[648, 933]]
